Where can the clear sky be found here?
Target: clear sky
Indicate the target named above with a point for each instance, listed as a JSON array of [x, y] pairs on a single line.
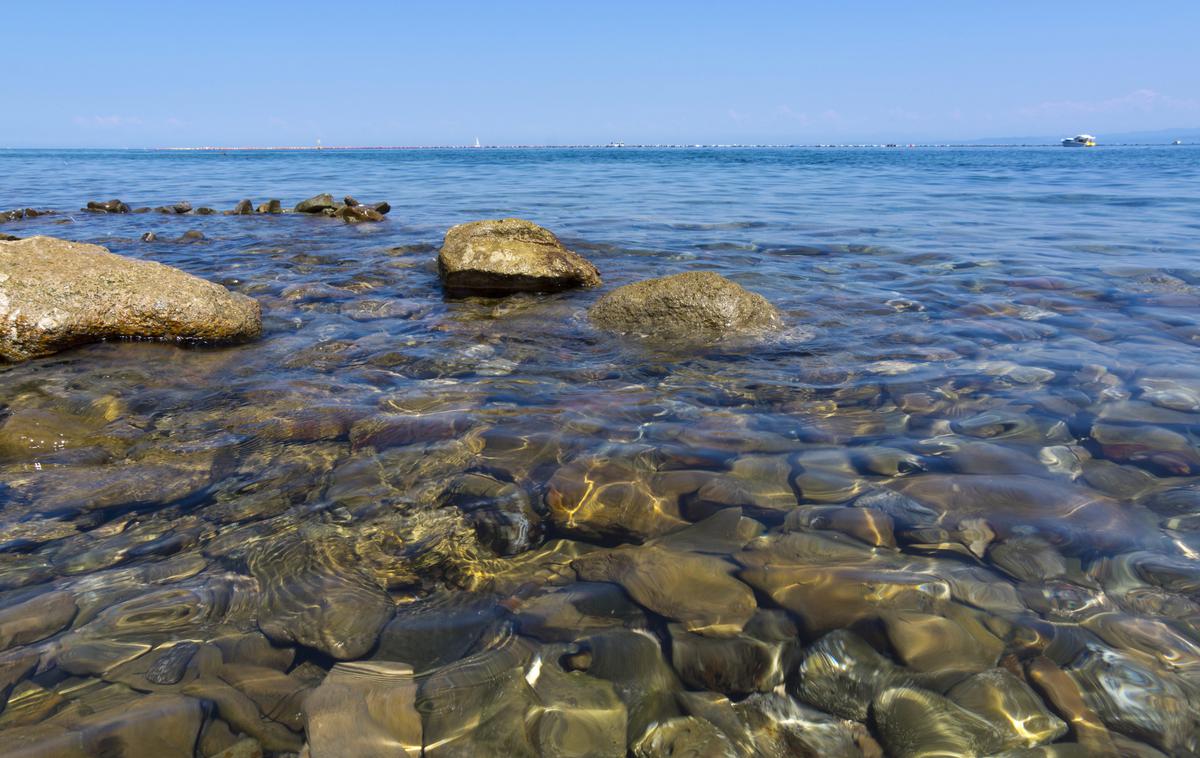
[[260, 72]]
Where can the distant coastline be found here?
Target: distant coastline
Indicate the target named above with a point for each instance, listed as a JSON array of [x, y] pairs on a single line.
[[469, 148]]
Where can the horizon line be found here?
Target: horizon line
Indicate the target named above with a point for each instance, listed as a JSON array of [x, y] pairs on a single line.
[[321, 148], [1027, 141]]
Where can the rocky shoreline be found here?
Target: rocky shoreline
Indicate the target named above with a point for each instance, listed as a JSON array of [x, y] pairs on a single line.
[[55, 294], [348, 209]]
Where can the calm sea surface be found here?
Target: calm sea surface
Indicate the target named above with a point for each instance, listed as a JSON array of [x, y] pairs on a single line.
[[954, 505]]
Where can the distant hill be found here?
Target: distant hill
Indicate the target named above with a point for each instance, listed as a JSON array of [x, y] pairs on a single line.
[[1155, 137]]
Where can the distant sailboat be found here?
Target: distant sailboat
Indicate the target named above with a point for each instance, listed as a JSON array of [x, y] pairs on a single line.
[[477, 142]]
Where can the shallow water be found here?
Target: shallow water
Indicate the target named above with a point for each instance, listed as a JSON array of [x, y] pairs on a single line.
[[952, 505]]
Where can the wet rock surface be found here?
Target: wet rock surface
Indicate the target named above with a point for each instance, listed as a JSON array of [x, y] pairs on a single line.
[[35, 619], [365, 709], [56, 294], [107, 206], [695, 305], [17, 214], [510, 255], [316, 204], [696, 590]]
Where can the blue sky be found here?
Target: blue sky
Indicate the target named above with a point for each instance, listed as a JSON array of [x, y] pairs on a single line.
[[140, 74]]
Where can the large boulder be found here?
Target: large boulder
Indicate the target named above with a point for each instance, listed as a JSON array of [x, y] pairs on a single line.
[[510, 255], [55, 294], [317, 204], [694, 305]]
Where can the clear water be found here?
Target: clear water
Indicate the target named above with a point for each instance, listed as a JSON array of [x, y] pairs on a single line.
[[972, 449]]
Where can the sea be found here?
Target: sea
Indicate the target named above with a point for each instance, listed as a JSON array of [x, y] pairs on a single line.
[[952, 504]]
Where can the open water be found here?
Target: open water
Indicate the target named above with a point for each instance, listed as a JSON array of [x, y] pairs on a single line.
[[951, 508]]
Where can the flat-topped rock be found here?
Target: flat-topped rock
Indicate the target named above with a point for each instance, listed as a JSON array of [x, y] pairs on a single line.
[[317, 204], [696, 305], [510, 255], [56, 294]]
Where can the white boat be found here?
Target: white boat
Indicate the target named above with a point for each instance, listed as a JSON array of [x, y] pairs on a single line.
[[616, 143], [1177, 142], [1080, 140], [477, 143]]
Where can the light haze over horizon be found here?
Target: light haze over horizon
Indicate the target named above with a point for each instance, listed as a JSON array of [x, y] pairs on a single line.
[[145, 74]]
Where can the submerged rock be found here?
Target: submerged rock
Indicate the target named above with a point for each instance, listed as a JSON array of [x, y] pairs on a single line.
[[753, 661], [271, 206], [1137, 700], [958, 641], [313, 595], [696, 305], [1009, 703], [1063, 693], [757, 482], [633, 662], [686, 737], [841, 674], [917, 723], [170, 666], [502, 513], [15, 665], [479, 705], [56, 294], [366, 708], [795, 570], [155, 725], [126, 484], [781, 726], [579, 609], [242, 713], [30, 704], [597, 497], [510, 255], [577, 714], [696, 590], [35, 619], [436, 631]]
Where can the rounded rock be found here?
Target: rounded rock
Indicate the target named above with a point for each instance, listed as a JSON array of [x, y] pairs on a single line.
[[694, 305], [510, 255], [56, 294]]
